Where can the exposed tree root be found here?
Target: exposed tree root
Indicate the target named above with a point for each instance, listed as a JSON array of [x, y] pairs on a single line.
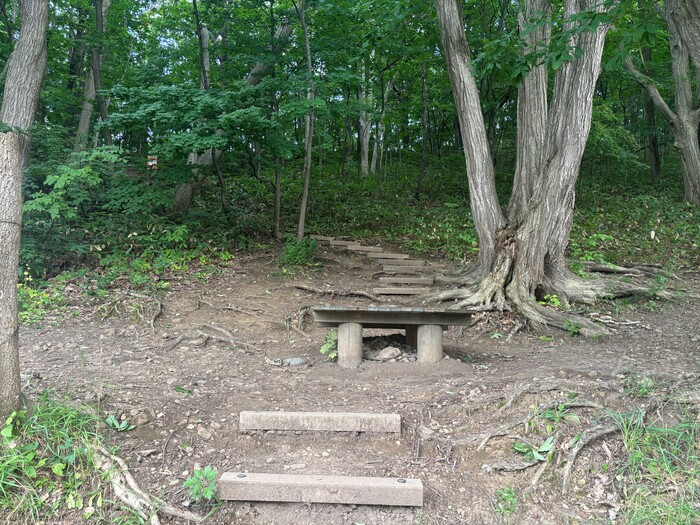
[[216, 332], [129, 492], [140, 309], [340, 293], [587, 436], [508, 466]]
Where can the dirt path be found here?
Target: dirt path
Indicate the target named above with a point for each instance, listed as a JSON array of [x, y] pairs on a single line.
[[183, 391]]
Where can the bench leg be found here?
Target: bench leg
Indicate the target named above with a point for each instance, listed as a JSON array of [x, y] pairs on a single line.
[[429, 343], [412, 335], [350, 345]]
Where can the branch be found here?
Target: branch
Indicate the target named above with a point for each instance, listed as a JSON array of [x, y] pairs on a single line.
[[653, 91]]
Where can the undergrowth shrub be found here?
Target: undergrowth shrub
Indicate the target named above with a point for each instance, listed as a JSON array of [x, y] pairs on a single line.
[[297, 252]]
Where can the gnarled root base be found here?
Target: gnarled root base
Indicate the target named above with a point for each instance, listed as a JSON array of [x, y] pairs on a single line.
[[501, 291]]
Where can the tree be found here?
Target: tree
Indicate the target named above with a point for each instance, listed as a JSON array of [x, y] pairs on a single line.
[[25, 71], [685, 120], [522, 250]]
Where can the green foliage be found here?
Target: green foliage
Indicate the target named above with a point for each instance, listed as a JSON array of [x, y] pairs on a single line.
[[573, 328], [661, 472], [119, 426], [202, 484], [329, 349], [297, 252], [551, 300], [46, 462], [506, 501], [35, 302], [531, 452]]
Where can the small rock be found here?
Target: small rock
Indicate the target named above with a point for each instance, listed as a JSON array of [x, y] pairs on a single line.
[[295, 466], [695, 338], [425, 432], [140, 419], [204, 433], [390, 352], [581, 482], [149, 452], [293, 361]]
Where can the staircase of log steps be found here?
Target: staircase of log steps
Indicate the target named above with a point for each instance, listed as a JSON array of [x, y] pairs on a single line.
[[404, 275]]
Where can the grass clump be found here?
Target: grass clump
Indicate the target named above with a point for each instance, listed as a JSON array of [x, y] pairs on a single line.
[[298, 252], [46, 462], [661, 475]]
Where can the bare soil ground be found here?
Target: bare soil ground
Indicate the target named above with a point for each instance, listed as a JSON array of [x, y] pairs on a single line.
[[183, 384]]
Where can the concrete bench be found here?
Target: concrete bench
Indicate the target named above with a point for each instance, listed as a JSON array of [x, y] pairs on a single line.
[[423, 328]]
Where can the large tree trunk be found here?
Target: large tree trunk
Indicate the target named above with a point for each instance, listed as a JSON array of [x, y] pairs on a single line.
[[486, 210], [25, 72], [522, 255], [685, 120], [686, 16]]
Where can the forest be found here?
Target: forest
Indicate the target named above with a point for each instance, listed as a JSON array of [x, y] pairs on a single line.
[[543, 157]]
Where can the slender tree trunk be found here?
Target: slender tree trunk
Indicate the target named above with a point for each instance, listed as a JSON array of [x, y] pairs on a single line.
[[365, 129], [424, 133], [90, 96], [309, 139], [25, 72], [650, 114], [685, 120]]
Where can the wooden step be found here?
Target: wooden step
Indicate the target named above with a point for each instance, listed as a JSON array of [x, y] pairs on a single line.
[[406, 280], [320, 421], [239, 486], [345, 244], [360, 248], [400, 291], [388, 256], [405, 269], [321, 238], [401, 262]]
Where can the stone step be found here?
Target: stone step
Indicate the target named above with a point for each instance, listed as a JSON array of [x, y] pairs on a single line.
[[360, 248], [388, 256], [404, 269], [320, 421], [400, 291], [289, 488], [406, 280], [321, 238], [401, 262], [345, 244]]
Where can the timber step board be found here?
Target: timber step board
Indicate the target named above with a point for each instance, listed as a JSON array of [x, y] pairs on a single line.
[[401, 262], [295, 488], [406, 280], [404, 269], [387, 255], [321, 238], [345, 244], [320, 421], [360, 248], [400, 291]]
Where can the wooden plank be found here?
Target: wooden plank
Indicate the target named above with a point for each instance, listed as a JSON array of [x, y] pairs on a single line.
[[360, 248], [388, 255], [343, 243], [400, 291], [404, 269], [321, 238], [320, 421], [401, 262], [406, 280], [238, 486], [384, 316]]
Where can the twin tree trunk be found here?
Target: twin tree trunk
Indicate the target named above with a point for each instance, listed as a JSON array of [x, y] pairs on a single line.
[[25, 72], [521, 253]]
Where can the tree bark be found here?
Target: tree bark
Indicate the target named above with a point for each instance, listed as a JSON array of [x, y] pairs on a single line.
[[685, 15], [365, 128], [25, 72]]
